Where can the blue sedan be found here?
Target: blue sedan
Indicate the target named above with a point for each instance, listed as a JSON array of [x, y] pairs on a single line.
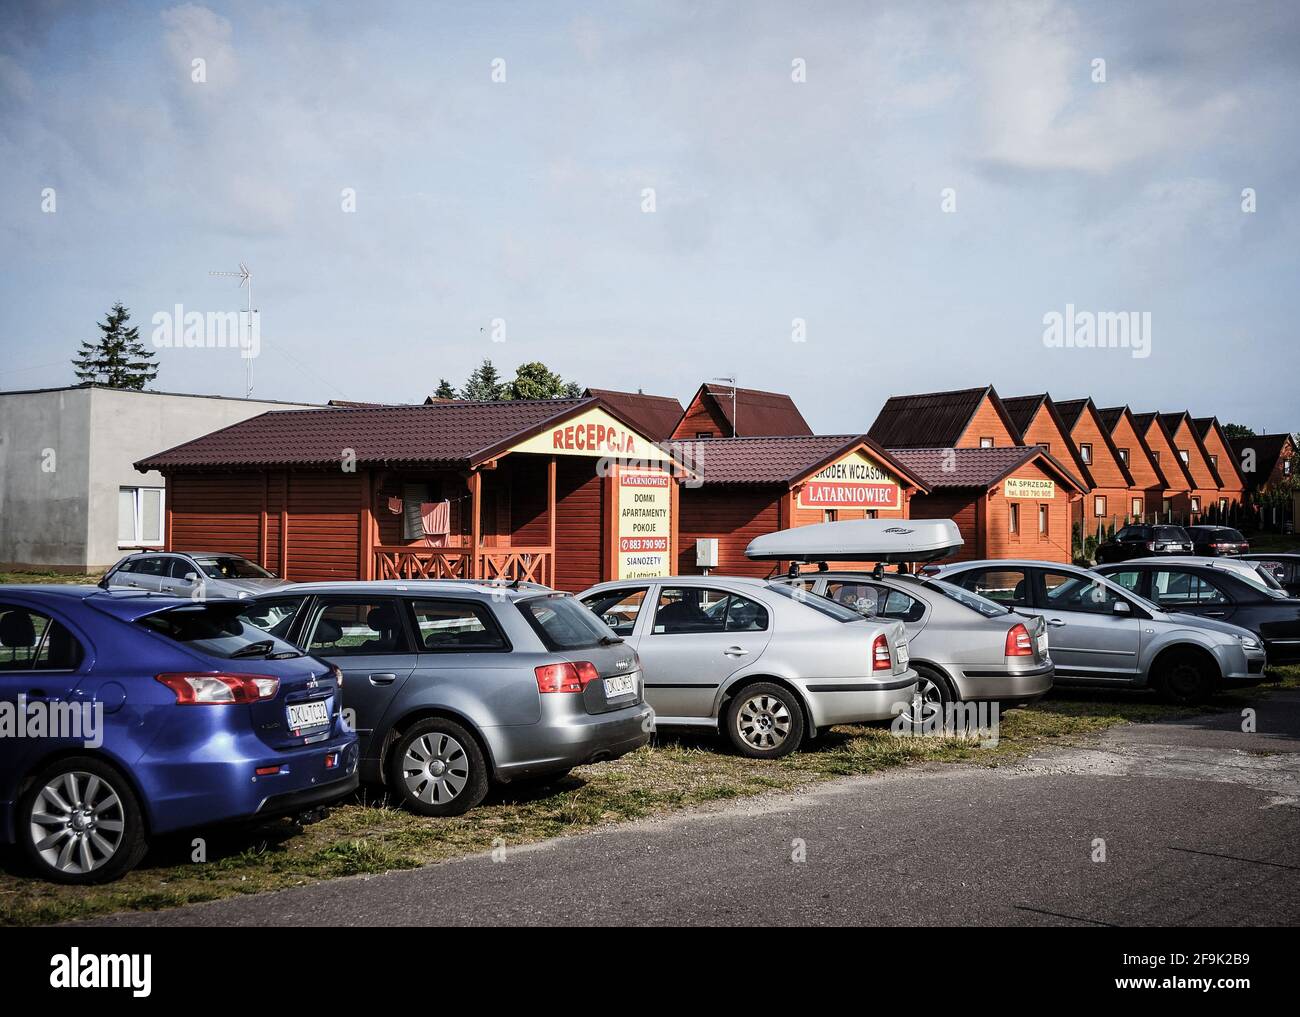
[[124, 715]]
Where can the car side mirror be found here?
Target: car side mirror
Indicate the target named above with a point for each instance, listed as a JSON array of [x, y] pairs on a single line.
[[1121, 607]]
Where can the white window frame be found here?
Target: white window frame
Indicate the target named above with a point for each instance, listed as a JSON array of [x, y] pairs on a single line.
[[1013, 517], [1085, 453], [1043, 518], [1099, 506], [139, 541]]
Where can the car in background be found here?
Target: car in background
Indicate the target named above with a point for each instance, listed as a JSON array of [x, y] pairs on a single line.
[[1222, 589], [1216, 541], [1284, 568], [767, 665], [188, 717], [963, 647], [455, 686], [1104, 634], [1141, 540], [193, 574]]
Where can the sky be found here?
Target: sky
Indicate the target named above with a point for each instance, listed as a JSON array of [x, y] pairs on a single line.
[[841, 201]]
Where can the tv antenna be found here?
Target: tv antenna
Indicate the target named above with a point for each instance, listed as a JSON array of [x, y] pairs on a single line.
[[731, 380], [245, 277]]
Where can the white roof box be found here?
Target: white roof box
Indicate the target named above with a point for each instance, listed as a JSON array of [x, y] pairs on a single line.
[[877, 540]]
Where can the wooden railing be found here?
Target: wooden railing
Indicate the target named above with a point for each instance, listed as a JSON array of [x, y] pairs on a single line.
[[530, 564]]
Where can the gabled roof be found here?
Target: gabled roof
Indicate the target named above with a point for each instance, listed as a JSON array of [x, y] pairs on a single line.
[[1268, 450], [1023, 410], [934, 419], [1072, 410], [654, 416], [1146, 421], [450, 434], [785, 459], [750, 412], [1203, 427], [1172, 422], [1111, 417], [940, 468]]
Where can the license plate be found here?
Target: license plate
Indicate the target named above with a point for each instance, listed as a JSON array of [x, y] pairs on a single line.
[[902, 653], [1042, 644], [308, 714], [620, 685]]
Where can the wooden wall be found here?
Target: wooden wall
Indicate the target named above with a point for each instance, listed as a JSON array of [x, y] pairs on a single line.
[[581, 508], [986, 423], [735, 515]]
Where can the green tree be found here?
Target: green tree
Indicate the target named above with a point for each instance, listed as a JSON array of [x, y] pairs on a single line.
[[535, 380], [446, 390], [1238, 431], [484, 384], [117, 359]]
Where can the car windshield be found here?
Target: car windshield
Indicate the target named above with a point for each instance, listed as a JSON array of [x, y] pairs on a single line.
[[830, 608], [564, 624], [232, 567], [219, 631], [1170, 533], [988, 608], [1260, 579]]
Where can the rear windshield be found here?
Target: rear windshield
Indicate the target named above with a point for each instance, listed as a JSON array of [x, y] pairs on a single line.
[[1226, 535], [988, 608], [218, 631], [1170, 533], [830, 608], [232, 567], [563, 624]]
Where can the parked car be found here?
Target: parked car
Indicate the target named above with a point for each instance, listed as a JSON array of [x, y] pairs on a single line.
[[202, 719], [1284, 568], [455, 686], [1103, 634], [767, 665], [211, 573], [1139, 540], [1213, 541], [963, 647], [1219, 588]]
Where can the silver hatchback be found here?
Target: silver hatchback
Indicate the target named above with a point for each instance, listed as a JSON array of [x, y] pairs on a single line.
[[767, 665], [455, 686]]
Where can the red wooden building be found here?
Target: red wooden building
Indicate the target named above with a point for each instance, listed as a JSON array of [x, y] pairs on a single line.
[[566, 492], [723, 411]]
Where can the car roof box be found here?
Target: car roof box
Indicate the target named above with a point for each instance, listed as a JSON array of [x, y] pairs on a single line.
[[876, 540]]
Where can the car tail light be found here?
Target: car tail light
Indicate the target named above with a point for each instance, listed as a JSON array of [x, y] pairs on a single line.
[[880, 659], [1244, 547], [1151, 545], [565, 677], [219, 689], [1019, 644]]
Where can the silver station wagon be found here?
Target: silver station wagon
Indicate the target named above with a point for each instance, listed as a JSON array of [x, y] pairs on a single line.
[[767, 665], [455, 686]]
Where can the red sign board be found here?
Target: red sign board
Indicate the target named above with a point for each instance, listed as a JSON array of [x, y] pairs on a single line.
[[848, 494]]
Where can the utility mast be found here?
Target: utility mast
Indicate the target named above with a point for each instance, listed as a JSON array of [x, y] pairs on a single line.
[[245, 277]]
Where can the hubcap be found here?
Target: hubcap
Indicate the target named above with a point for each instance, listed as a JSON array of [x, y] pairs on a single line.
[[763, 722], [77, 822], [927, 700], [435, 768]]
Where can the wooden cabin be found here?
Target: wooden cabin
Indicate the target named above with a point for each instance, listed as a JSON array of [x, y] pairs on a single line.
[[1204, 490], [1265, 460], [1146, 496], [1223, 462], [1112, 488], [723, 411]]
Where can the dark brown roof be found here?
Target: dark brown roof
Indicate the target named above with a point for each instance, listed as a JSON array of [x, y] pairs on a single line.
[[939, 468], [1268, 450], [654, 416], [1023, 409], [1070, 410], [1110, 416], [933, 419], [440, 434], [756, 413], [781, 459], [1144, 422]]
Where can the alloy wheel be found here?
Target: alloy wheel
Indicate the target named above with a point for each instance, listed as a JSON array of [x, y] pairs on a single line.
[[763, 721], [435, 768], [77, 822]]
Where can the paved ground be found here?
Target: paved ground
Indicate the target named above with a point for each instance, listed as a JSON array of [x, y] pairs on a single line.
[[1201, 825]]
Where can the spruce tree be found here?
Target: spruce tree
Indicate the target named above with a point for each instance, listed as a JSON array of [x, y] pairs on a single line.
[[117, 359]]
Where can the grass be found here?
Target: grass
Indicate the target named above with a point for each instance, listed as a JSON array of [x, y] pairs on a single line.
[[1274, 543], [65, 578], [369, 835]]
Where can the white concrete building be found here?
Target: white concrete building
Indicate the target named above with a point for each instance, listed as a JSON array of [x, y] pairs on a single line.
[[70, 498]]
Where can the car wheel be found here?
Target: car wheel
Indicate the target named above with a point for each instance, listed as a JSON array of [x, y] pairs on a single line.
[[932, 696], [437, 769], [1185, 678], [764, 721], [80, 822]]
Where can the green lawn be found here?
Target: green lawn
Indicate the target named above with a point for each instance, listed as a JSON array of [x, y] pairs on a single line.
[[1276, 543], [50, 577]]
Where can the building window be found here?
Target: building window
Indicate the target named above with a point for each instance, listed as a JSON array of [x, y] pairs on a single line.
[[830, 515], [1182, 454], [1013, 516], [1085, 453], [1223, 504], [1214, 461], [986, 443], [1099, 505], [1042, 520], [1137, 508], [1046, 446], [1286, 467], [703, 434], [871, 514], [140, 516], [1155, 454], [1123, 456], [1196, 504]]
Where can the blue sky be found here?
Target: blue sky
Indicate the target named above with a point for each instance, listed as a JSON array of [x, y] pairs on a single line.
[[775, 200]]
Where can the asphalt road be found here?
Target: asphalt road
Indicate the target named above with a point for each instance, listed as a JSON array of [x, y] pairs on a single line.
[[1200, 823]]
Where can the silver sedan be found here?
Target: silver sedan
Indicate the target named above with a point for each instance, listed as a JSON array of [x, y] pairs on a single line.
[[767, 665], [964, 647]]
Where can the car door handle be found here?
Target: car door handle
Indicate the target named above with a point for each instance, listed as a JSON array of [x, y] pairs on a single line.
[[1056, 622], [382, 679], [736, 651]]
